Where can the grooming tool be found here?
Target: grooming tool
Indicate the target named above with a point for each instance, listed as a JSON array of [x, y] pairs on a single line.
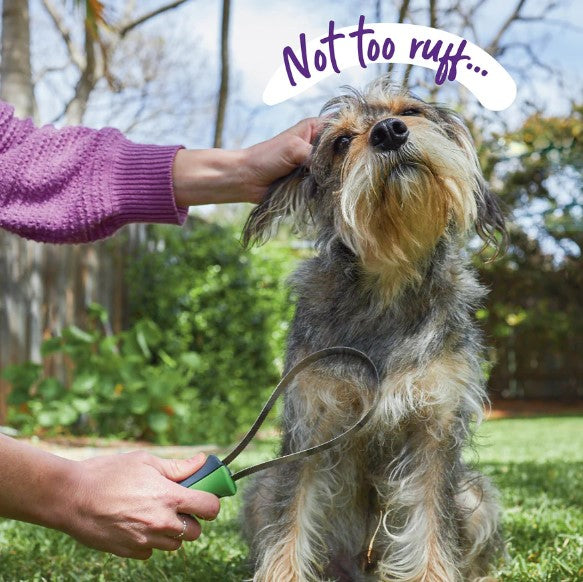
[[215, 476]]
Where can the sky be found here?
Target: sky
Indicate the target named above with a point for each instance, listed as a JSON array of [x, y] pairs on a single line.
[[259, 31]]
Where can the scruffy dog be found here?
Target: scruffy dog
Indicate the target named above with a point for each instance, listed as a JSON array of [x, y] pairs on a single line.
[[390, 194]]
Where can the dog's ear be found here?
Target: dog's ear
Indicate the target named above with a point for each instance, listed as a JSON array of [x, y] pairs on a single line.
[[290, 196], [490, 223]]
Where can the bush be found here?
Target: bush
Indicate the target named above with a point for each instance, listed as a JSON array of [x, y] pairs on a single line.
[[208, 324], [227, 305], [116, 389]]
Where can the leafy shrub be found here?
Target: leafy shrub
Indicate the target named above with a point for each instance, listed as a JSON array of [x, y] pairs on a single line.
[[228, 305], [115, 388], [208, 323]]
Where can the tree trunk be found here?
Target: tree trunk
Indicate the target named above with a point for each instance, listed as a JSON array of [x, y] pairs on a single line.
[[76, 108], [224, 88], [20, 261], [15, 72]]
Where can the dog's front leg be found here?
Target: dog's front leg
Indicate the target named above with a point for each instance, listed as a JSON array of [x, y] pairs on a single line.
[[420, 531], [316, 532], [424, 411], [285, 542], [315, 525]]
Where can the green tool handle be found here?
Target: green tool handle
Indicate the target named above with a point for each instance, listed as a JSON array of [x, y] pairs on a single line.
[[213, 477]]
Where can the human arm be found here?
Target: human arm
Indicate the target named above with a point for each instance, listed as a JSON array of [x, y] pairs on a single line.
[[123, 504], [78, 184]]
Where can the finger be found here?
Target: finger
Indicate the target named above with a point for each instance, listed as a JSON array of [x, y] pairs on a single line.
[[190, 532], [168, 544], [193, 529], [300, 152], [307, 128], [198, 503], [178, 469], [316, 126], [134, 553]]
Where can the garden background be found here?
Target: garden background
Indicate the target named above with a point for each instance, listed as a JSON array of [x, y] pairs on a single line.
[[174, 336]]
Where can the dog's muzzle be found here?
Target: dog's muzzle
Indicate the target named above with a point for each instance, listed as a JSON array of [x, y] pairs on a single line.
[[388, 135]]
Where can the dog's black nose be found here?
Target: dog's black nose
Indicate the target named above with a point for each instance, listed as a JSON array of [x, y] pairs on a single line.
[[388, 134]]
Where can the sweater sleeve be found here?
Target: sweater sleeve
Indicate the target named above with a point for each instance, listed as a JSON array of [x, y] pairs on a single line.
[[77, 184]]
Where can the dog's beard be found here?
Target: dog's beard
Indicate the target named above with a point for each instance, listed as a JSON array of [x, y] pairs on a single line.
[[394, 206]]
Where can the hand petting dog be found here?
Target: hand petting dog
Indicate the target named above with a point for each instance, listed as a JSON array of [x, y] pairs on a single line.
[[217, 176]]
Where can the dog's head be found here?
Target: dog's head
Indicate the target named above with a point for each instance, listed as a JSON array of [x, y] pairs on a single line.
[[390, 176]]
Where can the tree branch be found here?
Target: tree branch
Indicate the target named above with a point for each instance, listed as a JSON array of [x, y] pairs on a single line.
[[47, 70], [125, 28], [515, 15], [224, 88], [433, 13], [74, 51], [402, 13]]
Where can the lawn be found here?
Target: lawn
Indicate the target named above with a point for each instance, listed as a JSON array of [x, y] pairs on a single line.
[[537, 463]]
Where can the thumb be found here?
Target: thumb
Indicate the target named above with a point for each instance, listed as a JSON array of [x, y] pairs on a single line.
[[300, 153], [179, 469], [308, 128]]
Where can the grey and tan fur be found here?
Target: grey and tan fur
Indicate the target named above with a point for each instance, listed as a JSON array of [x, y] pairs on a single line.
[[390, 194]]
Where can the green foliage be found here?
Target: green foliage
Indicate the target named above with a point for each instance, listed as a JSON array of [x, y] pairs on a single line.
[[208, 324], [550, 174], [229, 306], [115, 388], [534, 314]]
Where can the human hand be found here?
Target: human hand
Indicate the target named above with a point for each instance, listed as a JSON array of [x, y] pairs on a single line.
[[130, 504], [217, 176], [269, 160]]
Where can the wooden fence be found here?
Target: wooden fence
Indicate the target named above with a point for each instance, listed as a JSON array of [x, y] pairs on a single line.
[[47, 287], [526, 369]]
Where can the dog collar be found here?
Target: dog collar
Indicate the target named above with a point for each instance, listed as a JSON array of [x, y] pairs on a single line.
[[215, 476]]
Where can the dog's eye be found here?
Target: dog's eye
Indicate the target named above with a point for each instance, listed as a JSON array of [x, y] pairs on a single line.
[[411, 111], [341, 144]]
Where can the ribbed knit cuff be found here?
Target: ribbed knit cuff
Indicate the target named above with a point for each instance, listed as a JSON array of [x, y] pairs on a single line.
[[142, 182]]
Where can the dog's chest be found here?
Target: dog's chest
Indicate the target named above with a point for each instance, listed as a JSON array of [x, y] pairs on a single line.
[[333, 308], [391, 338]]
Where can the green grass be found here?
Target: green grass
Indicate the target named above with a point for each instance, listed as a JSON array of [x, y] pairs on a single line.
[[537, 464]]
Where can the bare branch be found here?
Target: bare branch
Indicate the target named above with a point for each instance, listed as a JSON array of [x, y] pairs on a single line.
[[530, 53], [515, 15], [468, 16], [407, 77], [564, 24], [66, 107], [47, 70], [433, 13], [402, 14], [124, 29], [73, 50]]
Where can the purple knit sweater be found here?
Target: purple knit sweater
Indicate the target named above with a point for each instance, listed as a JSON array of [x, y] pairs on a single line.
[[77, 184]]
